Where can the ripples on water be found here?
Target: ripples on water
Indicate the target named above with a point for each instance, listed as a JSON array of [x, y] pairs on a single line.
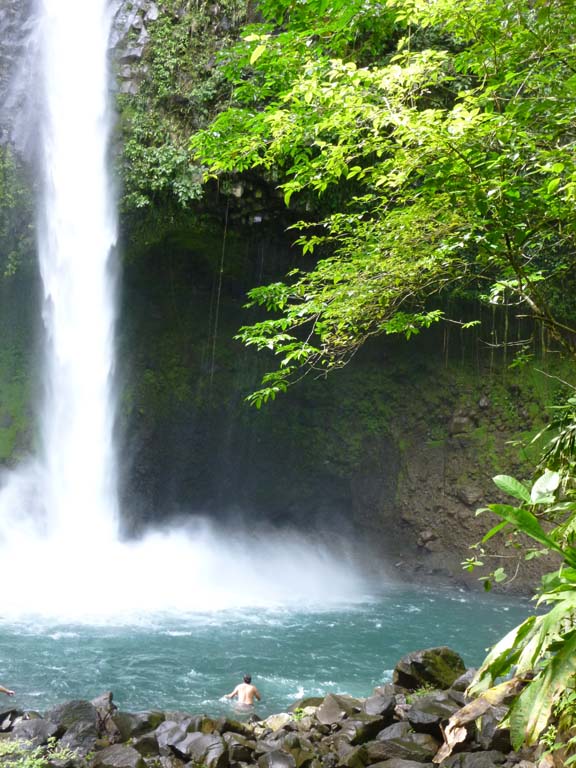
[[188, 662]]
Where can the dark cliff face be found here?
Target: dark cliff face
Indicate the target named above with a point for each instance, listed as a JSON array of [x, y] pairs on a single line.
[[397, 450]]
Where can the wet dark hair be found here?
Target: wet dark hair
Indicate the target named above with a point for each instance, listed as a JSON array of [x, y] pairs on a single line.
[[248, 679]]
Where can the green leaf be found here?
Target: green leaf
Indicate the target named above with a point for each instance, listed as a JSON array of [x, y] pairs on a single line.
[[512, 487], [545, 486], [257, 52], [531, 711]]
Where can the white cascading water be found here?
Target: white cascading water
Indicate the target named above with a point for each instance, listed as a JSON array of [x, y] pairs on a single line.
[[59, 512], [77, 231]]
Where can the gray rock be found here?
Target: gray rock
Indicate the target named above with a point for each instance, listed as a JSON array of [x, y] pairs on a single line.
[[118, 756], [146, 745], [37, 731], [462, 682], [132, 724], [398, 762], [276, 759], [169, 733], [398, 740], [208, 750], [427, 713], [490, 736], [307, 701], [438, 667], [82, 737], [72, 712], [8, 718], [240, 749], [152, 13], [474, 760], [380, 705], [335, 708], [361, 728]]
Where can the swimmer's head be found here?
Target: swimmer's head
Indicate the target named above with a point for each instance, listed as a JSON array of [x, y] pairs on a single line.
[[248, 679]]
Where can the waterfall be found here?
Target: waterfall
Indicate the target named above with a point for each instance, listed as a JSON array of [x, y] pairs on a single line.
[[77, 232], [59, 511]]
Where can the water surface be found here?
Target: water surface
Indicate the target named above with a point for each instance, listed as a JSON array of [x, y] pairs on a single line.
[[188, 662]]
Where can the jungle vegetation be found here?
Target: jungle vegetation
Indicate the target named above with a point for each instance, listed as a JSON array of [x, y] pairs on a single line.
[[425, 149]]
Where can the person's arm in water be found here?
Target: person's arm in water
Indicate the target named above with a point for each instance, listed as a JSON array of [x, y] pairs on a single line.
[[7, 691], [231, 695], [257, 693]]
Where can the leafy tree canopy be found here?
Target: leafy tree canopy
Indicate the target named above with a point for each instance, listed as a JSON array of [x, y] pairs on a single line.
[[434, 139]]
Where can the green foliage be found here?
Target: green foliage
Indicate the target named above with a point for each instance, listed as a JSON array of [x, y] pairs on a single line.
[[443, 163], [542, 650], [16, 216], [22, 754], [179, 90]]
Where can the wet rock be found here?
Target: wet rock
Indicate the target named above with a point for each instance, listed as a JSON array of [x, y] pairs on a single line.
[[168, 734], [474, 760], [65, 715], [469, 495], [36, 731], [146, 745], [202, 724], [428, 713], [275, 722], [137, 723], [398, 762], [240, 749], [225, 725], [490, 736], [307, 701], [363, 728], [335, 708], [8, 718], [399, 740], [355, 757], [82, 737], [276, 759], [208, 750], [169, 761], [461, 683], [118, 756], [438, 667]]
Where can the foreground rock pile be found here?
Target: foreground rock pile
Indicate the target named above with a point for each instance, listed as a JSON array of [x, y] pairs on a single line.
[[399, 726]]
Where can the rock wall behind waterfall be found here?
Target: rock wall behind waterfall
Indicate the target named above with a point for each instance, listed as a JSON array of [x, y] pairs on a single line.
[[398, 449]]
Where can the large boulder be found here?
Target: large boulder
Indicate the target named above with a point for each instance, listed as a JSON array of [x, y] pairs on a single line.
[[8, 718], [360, 728], [118, 756], [336, 708], [276, 759], [428, 713], [307, 701], [168, 734], [133, 724], [82, 737], [399, 740], [36, 731], [203, 749], [380, 705], [475, 760], [240, 749], [71, 712], [437, 667]]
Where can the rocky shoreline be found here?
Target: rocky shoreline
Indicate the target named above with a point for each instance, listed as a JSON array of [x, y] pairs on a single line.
[[401, 725]]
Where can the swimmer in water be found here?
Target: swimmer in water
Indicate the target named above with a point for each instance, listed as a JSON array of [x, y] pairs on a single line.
[[246, 692]]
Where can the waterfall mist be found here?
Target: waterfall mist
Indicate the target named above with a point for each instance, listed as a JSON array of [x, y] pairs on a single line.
[[59, 511]]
